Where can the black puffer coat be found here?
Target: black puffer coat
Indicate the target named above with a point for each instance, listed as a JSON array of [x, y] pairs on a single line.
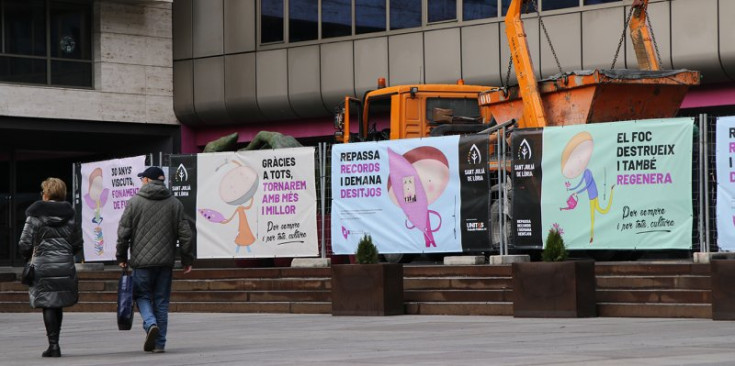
[[50, 231]]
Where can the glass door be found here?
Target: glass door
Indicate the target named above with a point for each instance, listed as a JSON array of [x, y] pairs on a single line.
[[7, 247], [21, 174]]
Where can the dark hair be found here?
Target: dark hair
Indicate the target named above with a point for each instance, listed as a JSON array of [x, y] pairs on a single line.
[[54, 189]]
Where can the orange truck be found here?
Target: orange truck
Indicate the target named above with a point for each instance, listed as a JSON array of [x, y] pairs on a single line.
[[569, 98]]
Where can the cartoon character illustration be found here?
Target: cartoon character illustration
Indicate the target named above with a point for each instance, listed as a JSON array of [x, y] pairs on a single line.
[[238, 186], [409, 189], [575, 158], [96, 198], [422, 174]]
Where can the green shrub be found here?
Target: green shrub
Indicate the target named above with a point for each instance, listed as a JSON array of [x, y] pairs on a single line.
[[367, 252], [554, 251], [224, 143]]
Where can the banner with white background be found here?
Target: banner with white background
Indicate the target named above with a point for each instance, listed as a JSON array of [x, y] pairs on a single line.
[[106, 187]]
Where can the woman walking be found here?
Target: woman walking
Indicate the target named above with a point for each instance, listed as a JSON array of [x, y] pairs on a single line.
[[50, 239]]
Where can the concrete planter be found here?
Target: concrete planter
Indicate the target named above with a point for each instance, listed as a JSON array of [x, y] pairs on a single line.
[[367, 289], [554, 289], [722, 274]]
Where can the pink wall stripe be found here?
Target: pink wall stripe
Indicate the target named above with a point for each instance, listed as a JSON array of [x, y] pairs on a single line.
[[193, 140], [710, 96]]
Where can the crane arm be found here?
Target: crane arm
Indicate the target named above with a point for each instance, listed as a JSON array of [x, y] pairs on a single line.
[[533, 110], [640, 35]]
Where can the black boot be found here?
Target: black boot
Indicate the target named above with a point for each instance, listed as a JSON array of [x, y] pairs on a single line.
[[52, 320], [53, 346]]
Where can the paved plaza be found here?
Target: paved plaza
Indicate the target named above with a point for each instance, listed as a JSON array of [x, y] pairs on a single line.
[[287, 339]]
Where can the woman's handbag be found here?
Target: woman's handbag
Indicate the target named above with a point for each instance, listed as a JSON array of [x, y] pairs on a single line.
[[29, 272], [125, 301]]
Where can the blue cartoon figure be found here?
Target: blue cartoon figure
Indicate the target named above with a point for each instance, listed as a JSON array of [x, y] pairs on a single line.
[[574, 161]]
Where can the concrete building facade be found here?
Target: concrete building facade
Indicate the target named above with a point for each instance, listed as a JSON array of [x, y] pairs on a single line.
[[251, 65], [79, 81]]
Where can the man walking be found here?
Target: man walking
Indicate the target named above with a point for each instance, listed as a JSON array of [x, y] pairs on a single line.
[[151, 224]]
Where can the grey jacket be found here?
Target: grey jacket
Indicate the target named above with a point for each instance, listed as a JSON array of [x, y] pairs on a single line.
[[151, 224], [51, 238]]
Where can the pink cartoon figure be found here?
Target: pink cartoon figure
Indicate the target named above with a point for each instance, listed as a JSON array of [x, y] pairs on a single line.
[[237, 188], [417, 178], [574, 161], [96, 198]]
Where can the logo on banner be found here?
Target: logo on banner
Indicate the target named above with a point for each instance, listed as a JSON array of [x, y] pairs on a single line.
[[475, 226], [180, 185], [524, 150], [182, 175], [473, 155]]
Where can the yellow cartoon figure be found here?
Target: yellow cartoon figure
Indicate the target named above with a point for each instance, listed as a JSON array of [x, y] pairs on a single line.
[[574, 160]]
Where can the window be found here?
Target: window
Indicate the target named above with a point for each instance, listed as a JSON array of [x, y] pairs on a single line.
[[303, 20], [337, 18], [25, 27], [22, 70], [405, 14], [379, 109], [526, 8], [68, 21], [369, 16], [440, 10], [271, 21], [479, 9], [46, 42], [461, 107], [559, 4], [595, 2]]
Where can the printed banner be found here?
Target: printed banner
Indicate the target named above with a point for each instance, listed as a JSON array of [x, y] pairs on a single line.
[[106, 187], [527, 152], [725, 151], [411, 196], [256, 204], [621, 185], [183, 184]]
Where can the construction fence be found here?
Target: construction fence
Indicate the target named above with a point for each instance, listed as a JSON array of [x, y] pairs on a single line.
[[499, 220]]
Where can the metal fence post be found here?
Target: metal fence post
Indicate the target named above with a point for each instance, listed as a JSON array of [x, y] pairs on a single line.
[[322, 193], [706, 181], [702, 185], [501, 192]]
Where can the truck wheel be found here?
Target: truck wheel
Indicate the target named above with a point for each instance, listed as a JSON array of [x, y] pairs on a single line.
[[495, 233]]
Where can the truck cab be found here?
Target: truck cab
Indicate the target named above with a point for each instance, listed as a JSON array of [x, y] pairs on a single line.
[[409, 111]]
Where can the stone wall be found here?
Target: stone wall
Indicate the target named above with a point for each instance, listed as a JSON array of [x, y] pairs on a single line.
[[132, 74]]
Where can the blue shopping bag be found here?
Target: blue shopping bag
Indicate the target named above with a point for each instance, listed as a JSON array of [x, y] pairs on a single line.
[[125, 301]]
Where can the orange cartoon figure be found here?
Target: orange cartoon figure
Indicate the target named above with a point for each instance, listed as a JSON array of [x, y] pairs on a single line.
[[238, 186]]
